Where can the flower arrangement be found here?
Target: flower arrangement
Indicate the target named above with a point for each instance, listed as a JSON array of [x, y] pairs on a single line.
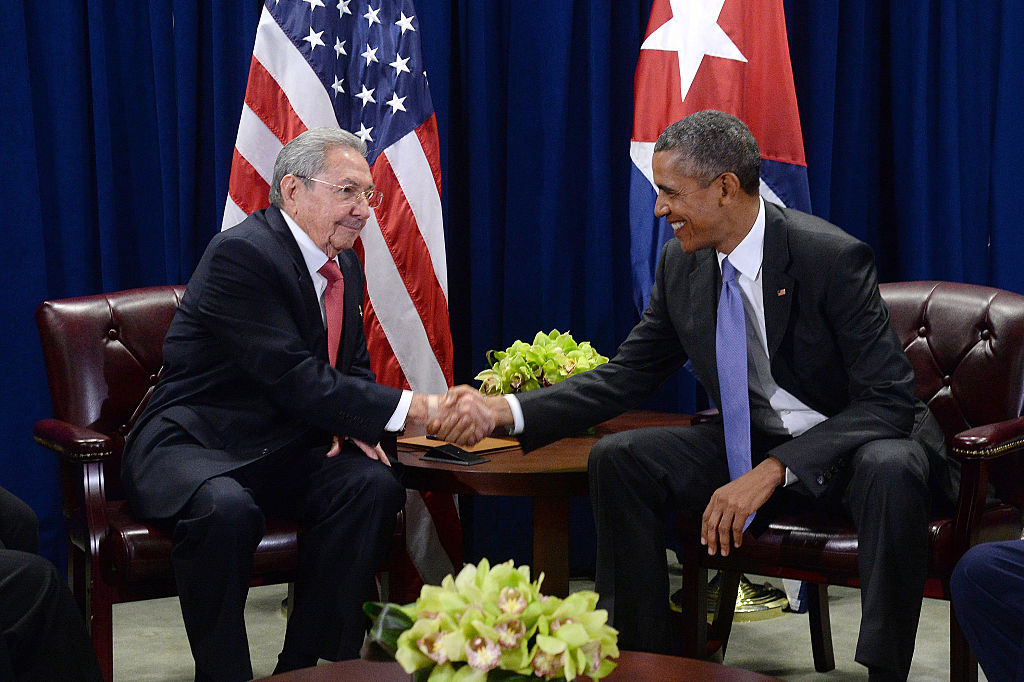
[[549, 359], [492, 623]]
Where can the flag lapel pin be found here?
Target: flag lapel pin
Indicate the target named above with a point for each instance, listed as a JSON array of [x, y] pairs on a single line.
[[780, 292]]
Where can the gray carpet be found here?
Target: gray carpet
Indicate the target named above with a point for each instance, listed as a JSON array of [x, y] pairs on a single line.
[[150, 642]]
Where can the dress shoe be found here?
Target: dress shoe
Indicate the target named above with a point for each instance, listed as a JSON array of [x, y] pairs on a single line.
[[753, 601]]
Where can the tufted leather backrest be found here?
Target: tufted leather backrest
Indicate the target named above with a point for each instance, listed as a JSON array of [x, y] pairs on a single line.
[[103, 355], [966, 344]]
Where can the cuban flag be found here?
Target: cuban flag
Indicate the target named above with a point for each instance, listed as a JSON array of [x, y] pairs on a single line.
[[730, 55], [360, 68]]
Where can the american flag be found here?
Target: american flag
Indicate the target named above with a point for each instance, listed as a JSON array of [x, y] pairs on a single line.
[[358, 66], [730, 55]]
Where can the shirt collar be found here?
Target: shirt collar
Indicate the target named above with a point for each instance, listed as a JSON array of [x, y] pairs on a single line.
[[749, 253], [314, 257]]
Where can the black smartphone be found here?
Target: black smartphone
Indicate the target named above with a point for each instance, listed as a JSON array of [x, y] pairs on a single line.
[[452, 454]]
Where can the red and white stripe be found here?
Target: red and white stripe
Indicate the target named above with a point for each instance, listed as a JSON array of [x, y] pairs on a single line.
[[402, 245]]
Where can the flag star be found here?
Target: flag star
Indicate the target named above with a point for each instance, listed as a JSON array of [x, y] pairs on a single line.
[[343, 8], [313, 4], [405, 23], [314, 39], [693, 32], [370, 54], [371, 16], [367, 96], [364, 133], [337, 86], [399, 65], [339, 47], [396, 103]]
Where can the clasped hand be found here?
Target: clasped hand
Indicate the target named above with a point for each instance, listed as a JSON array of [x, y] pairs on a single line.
[[463, 416]]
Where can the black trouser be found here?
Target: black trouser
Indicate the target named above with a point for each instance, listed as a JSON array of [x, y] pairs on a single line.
[[42, 634], [348, 506], [639, 478]]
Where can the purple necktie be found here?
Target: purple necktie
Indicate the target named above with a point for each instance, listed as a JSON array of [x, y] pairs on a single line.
[[731, 354]]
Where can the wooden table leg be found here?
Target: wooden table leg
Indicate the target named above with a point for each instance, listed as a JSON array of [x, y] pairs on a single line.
[[551, 544]]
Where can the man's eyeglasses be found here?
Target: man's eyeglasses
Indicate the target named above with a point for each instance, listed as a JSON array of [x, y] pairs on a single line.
[[350, 194]]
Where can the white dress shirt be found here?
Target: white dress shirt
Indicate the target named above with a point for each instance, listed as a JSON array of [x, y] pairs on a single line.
[[795, 417]]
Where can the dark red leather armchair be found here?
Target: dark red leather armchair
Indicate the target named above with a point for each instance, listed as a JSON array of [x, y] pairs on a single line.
[[966, 344], [103, 355]]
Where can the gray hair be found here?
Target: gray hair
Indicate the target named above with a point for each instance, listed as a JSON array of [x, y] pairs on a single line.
[[304, 156], [710, 143]]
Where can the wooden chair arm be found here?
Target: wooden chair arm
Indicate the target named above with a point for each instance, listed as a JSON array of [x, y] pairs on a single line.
[[989, 441], [976, 449], [83, 452], [74, 443]]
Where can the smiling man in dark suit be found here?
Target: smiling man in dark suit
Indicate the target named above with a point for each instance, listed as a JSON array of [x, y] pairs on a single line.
[[265, 405], [824, 412]]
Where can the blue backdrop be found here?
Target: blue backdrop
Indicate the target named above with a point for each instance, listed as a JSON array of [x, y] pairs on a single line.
[[122, 117]]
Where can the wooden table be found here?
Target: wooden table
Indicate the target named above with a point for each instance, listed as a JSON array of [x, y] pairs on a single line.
[[550, 475], [633, 666]]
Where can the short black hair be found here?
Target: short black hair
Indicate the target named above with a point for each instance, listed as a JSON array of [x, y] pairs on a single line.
[[711, 143]]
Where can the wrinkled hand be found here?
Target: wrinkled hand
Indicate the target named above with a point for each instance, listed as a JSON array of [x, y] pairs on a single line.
[[731, 504], [462, 417], [371, 451]]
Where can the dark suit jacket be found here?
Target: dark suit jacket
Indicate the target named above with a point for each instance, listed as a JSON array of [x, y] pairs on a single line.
[[829, 340], [246, 369]]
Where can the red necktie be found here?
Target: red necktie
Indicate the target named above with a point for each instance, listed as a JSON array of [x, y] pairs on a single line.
[[334, 306]]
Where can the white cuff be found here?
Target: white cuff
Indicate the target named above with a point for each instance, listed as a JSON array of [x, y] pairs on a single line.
[[790, 478], [517, 415], [397, 421]]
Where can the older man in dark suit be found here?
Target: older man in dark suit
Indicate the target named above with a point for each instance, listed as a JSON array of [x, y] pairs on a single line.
[[267, 404], [818, 409]]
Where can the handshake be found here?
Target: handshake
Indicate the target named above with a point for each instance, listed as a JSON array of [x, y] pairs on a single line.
[[463, 415]]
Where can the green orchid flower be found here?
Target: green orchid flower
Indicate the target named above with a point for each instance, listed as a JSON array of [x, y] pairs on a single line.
[[551, 358], [493, 623]]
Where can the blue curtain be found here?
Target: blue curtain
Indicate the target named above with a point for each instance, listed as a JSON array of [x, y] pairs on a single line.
[[122, 116], [121, 120], [535, 138], [911, 118]]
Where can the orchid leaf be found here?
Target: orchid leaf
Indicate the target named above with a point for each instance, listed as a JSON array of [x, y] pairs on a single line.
[[388, 622]]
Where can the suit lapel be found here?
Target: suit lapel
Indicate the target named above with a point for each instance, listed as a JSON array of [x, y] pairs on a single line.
[[313, 327], [705, 284], [777, 286]]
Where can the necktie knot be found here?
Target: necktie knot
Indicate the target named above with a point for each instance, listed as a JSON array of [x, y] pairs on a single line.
[[330, 270], [729, 272]]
